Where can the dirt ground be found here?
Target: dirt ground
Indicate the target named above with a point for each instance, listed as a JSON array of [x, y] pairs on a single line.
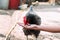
[[7, 21]]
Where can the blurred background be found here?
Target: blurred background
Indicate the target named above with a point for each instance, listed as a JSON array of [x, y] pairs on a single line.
[[12, 11], [17, 4]]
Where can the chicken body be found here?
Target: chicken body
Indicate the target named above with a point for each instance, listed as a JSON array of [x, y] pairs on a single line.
[[31, 19]]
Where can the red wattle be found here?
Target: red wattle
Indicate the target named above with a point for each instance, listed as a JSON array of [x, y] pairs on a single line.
[[25, 21]]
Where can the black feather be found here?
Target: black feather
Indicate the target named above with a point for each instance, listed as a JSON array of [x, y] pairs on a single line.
[[33, 19]]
